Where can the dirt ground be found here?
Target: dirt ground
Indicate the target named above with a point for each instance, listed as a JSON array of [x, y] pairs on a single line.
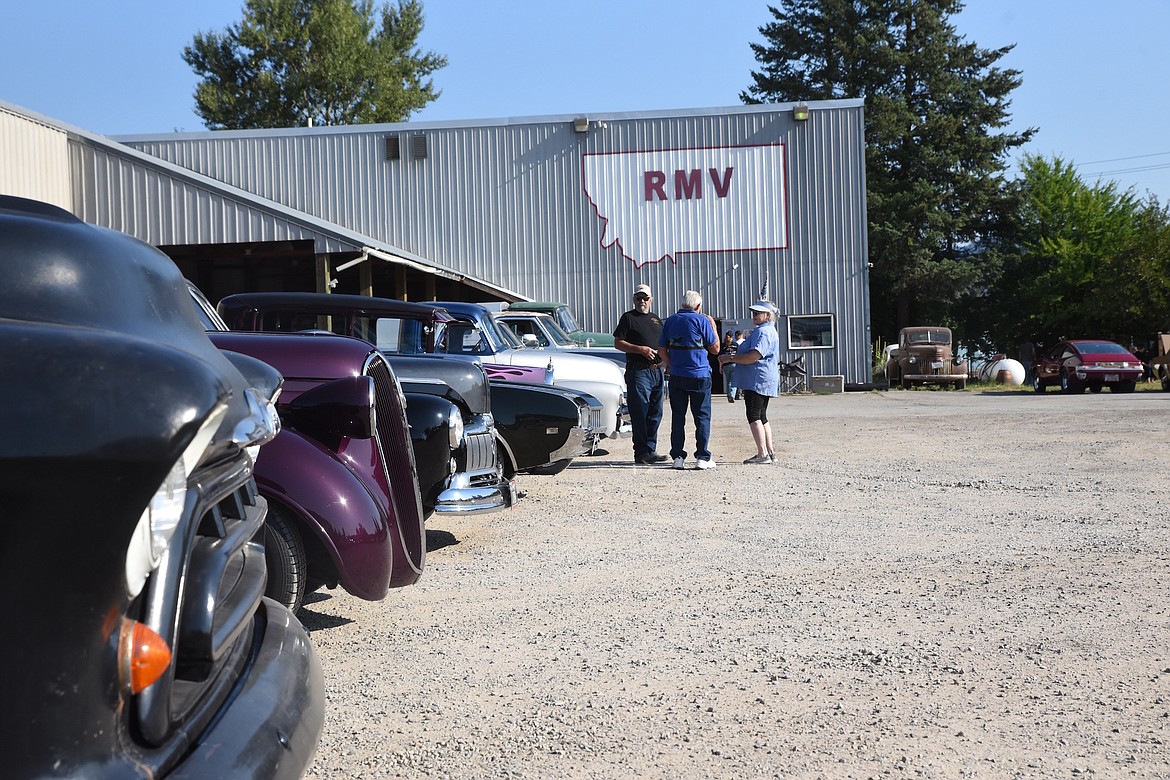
[[930, 584]]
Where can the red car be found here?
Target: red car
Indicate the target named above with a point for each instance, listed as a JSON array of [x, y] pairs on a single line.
[[1087, 363]]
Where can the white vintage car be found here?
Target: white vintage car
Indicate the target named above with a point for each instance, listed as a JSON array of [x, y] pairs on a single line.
[[541, 331], [478, 334]]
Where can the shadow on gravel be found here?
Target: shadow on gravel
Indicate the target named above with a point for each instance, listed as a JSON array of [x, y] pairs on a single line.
[[437, 540], [1054, 393], [314, 621], [610, 464]]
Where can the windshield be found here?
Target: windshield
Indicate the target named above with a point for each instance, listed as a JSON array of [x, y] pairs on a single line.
[[936, 336], [207, 315], [557, 334], [566, 321], [506, 336]]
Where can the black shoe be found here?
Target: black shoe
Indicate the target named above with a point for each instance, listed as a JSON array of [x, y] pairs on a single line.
[[650, 459]]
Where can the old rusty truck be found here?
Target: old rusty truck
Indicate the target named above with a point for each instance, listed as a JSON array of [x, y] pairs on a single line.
[[925, 356]]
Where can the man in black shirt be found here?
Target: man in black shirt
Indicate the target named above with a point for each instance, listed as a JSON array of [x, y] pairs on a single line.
[[637, 334]]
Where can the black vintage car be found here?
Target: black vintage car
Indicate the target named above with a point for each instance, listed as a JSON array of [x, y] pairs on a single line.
[[541, 428], [139, 640]]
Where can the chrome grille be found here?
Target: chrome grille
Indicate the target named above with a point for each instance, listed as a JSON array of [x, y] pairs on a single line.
[[595, 421], [393, 435], [481, 452]]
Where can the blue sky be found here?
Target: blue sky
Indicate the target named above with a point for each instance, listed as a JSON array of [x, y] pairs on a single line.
[[1096, 74]]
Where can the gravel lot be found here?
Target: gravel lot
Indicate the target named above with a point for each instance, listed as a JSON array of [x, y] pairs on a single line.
[[929, 584]]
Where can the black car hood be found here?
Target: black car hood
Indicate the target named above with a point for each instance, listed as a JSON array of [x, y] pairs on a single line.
[[433, 374], [56, 270]]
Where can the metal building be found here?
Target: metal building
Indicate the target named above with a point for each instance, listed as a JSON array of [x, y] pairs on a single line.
[[577, 209]]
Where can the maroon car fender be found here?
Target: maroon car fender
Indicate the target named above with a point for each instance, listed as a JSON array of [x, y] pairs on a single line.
[[331, 503]]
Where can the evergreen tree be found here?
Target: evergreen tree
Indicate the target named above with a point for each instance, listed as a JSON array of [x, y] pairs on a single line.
[[290, 63], [935, 106]]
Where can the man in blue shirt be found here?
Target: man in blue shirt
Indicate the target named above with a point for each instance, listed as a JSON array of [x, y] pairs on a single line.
[[688, 337]]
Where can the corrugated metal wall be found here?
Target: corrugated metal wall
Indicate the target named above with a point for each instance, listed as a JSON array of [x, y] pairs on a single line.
[[504, 201], [33, 162], [128, 194]]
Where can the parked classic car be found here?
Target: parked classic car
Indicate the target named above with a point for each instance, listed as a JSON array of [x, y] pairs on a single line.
[[925, 356], [340, 479], [1094, 364], [486, 340], [564, 317], [540, 430], [541, 331], [142, 645], [452, 439]]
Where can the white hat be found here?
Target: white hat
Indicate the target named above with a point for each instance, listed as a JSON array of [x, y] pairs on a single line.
[[763, 306], [643, 288]]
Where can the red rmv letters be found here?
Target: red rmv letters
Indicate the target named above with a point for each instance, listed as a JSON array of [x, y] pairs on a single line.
[[687, 184]]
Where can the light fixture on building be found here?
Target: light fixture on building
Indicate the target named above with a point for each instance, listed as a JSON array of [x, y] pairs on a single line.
[[800, 111], [581, 124]]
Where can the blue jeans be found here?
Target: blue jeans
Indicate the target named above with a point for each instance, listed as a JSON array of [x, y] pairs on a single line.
[[693, 393], [644, 391]]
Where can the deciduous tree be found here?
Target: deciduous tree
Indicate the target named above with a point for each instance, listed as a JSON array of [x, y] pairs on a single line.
[[1091, 260], [325, 62]]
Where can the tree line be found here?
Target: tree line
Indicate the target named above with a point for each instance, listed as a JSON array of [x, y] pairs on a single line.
[[955, 241], [953, 238]]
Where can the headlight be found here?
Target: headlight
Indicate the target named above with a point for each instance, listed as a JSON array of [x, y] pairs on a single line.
[[162, 515], [455, 428]]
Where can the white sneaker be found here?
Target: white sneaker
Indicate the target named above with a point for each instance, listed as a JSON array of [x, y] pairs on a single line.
[[705, 464], [680, 463]]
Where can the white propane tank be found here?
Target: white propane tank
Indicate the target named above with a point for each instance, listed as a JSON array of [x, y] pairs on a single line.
[[1004, 370]]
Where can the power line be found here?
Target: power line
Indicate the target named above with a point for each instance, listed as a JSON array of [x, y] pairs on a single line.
[[1121, 159], [1130, 170]]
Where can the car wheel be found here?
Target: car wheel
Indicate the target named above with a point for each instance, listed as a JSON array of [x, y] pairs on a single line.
[[1070, 385], [1127, 386], [905, 383], [507, 466], [961, 384], [1038, 385], [1095, 388], [1164, 377], [284, 553]]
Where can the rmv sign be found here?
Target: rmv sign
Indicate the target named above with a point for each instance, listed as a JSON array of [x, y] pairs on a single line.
[[660, 204]]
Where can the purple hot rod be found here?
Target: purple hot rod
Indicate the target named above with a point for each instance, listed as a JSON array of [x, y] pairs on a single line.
[[340, 478]]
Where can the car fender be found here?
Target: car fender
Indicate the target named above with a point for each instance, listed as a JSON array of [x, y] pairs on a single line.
[[332, 504], [616, 415], [533, 422], [429, 417]]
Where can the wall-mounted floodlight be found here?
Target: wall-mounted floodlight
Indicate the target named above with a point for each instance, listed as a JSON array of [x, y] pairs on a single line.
[[581, 124], [800, 112]]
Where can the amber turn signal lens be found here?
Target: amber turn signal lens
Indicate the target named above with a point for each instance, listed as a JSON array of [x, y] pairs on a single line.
[[143, 656]]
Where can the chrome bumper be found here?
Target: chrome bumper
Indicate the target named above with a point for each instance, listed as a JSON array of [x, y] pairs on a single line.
[[935, 377], [477, 499], [577, 443]]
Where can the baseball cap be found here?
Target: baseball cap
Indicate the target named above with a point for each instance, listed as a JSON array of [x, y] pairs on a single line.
[[762, 306], [643, 289]]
